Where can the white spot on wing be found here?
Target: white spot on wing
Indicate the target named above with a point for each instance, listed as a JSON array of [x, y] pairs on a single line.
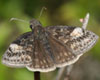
[[16, 48], [77, 32]]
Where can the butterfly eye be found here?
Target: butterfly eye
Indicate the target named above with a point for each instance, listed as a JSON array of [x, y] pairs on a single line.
[[31, 26]]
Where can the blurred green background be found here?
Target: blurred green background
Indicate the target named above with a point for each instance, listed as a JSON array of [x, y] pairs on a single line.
[[59, 12]]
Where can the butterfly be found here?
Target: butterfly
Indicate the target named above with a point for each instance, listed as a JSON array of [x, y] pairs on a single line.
[[45, 49]]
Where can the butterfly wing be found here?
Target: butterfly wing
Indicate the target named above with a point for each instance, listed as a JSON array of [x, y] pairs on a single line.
[[28, 52], [19, 52], [69, 43]]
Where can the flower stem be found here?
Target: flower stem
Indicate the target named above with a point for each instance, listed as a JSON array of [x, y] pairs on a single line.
[[36, 75]]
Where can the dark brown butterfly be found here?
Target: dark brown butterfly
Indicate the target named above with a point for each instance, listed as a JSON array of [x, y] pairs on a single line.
[[45, 49]]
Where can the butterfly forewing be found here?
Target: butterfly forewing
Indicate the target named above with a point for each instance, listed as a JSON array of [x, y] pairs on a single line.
[[76, 39], [19, 52]]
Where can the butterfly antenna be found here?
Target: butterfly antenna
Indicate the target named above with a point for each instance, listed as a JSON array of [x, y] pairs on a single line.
[[85, 21], [43, 8], [13, 19]]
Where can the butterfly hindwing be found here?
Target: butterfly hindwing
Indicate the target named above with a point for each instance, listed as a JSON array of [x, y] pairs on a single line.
[[19, 52]]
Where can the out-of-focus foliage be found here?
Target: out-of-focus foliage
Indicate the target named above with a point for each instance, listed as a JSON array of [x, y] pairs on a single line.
[[59, 12]]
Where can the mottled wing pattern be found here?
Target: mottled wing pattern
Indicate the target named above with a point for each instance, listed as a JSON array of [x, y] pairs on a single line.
[[69, 43], [19, 52], [56, 46], [60, 33], [83, 43], [41, 58]]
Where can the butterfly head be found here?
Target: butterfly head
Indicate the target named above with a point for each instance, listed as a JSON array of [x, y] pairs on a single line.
[[36, 27], [34, 23]]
